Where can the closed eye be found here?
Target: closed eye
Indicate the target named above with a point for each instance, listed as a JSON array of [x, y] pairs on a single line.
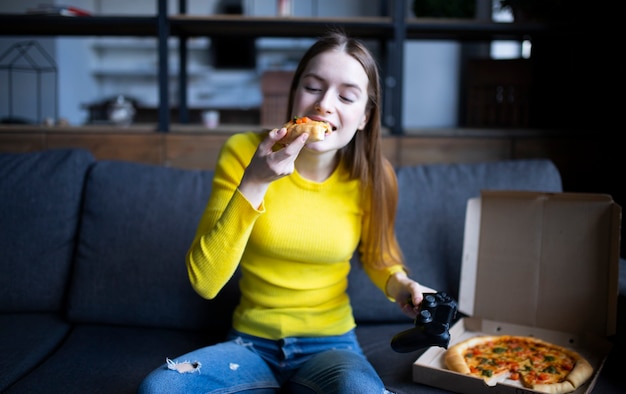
[[346, 99]]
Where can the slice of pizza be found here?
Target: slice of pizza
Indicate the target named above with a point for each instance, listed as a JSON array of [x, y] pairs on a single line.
[[536, 364], [297, 126], [554, 369], [475, 357]]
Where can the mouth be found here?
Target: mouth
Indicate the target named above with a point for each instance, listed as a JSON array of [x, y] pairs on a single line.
[[332, 127]]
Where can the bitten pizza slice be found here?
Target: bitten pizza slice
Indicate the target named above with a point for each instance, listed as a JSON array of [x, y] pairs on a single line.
[[317, 130]]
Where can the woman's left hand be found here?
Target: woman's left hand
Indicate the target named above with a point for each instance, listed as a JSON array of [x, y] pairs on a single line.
[[407, 293]]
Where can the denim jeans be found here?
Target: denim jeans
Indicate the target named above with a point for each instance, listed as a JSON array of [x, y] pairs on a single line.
[[250, 364]]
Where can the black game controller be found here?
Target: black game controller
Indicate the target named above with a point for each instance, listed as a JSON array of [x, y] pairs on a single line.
[[432, 323]]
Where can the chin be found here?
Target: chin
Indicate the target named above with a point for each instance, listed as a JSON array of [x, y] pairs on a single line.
[[317, 145]]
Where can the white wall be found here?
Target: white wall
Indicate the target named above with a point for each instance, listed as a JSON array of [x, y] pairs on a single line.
[[76, 86], [430, 84]]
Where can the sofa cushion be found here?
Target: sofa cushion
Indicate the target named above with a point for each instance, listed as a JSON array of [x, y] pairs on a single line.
[[431, 221], [26, 339], [102, 359], [41, 194], [138, 222]]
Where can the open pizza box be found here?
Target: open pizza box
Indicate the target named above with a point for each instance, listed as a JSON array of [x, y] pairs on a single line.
[[534, 264]]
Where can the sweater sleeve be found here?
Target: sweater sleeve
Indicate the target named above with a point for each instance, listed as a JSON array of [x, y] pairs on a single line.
[[227, 221]]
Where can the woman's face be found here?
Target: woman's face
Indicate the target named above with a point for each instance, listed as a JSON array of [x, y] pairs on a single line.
[[333, 88]]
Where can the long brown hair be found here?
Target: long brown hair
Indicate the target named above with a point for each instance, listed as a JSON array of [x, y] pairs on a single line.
[[363, 155]]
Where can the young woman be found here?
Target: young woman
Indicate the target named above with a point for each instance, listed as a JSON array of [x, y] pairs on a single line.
[[291, 217]]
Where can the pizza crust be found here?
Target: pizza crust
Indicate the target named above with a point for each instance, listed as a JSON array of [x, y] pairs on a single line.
[[557, 388], [454, 359], [576, 378]]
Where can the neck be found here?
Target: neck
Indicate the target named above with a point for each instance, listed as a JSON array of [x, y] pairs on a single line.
[[316, 166]]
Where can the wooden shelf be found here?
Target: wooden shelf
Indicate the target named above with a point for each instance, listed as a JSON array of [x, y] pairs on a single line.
[[231, 128], [193, 146]]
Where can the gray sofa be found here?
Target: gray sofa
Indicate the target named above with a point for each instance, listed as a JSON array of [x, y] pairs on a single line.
[[93, 288]]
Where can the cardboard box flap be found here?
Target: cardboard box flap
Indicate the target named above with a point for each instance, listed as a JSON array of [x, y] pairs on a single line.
[[545, 260]]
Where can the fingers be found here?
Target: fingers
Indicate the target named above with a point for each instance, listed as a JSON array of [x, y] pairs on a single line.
[[408, 308], [412, 296], [278, 134], [272, 137], [426, 289], [271, 161], [292, 148], [296, 146], [417, 297]]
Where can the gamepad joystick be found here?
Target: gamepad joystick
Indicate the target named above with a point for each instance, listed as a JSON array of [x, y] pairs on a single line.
[[432, 324]]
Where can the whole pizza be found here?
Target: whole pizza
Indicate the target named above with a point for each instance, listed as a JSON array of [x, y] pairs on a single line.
[[536, 364]]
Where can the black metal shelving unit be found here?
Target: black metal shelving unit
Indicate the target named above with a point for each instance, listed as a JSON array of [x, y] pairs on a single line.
[[391, 30]]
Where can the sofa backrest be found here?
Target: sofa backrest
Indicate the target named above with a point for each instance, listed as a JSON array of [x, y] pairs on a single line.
[[40, 200], [137, 224], [431, 219], [138, 221]]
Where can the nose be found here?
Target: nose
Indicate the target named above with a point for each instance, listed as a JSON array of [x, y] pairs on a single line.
[[324, 105]]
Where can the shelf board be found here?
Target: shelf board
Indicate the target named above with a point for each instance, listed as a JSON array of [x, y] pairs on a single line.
[[54, 25], [248, 26], [146, 44], [476, 30], [236, 25], [145, 73]]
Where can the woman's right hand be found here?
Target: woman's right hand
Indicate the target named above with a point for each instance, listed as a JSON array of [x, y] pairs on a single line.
[[268, 165]]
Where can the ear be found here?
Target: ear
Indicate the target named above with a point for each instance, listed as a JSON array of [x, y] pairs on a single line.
[[363, 121]]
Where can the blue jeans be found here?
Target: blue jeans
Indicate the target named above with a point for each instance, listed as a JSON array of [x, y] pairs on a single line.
[[247, 363]]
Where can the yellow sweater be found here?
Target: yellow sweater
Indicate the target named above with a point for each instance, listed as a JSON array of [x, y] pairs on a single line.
[[294, 250]]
